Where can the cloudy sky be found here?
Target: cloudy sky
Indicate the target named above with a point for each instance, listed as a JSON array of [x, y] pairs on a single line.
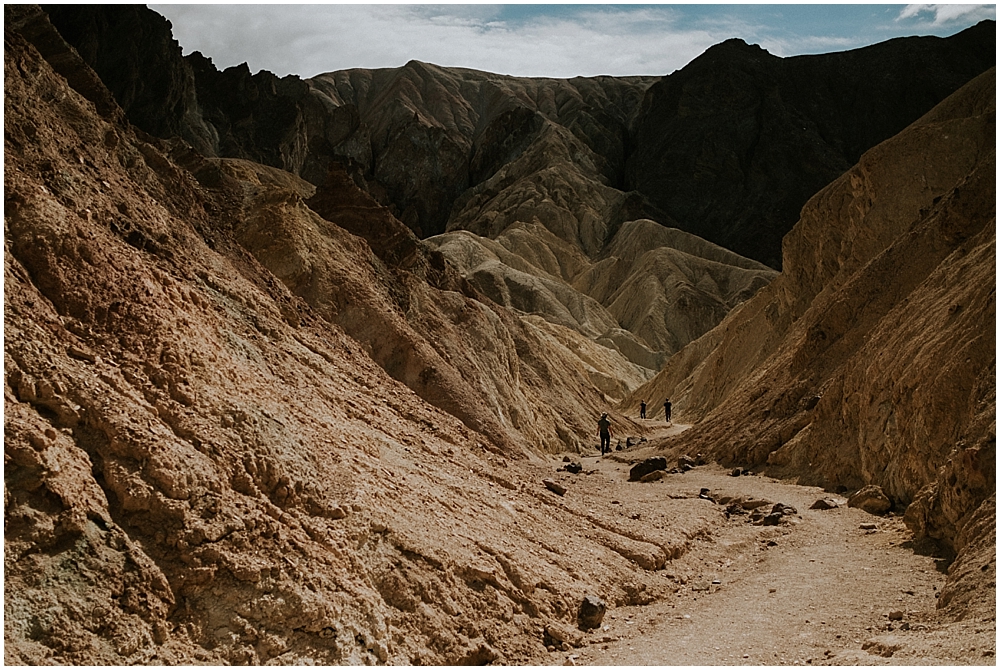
[[537, 40]]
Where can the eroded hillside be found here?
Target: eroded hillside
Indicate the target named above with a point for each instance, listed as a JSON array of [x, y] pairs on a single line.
[[250, 416], [201, 466], [872, 358]]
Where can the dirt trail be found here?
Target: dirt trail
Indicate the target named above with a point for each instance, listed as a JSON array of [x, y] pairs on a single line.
[[817, 590]]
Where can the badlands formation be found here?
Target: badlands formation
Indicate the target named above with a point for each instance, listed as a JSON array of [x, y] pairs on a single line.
[[287, 361]]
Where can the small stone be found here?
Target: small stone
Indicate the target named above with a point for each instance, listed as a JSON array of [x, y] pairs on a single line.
[[575, 468], [868, 526], [772, 519], [825, 503], [685, 460], [896, 615], [591, 612], [337, 512], [566, 459], [653, 476], [736, 472], [555, 487], [81, 354]]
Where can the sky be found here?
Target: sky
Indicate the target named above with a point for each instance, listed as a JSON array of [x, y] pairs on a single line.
[[532, 40]]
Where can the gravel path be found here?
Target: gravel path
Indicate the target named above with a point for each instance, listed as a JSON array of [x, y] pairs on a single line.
[[818, 590]]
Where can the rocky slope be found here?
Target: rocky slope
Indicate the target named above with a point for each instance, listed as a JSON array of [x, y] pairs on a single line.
[[734, 144], [872, 358], [201, 466], [447, 149]]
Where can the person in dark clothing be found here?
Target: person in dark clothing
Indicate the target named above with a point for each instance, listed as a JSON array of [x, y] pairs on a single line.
[[604, 431], [642, 409], [666, 409]]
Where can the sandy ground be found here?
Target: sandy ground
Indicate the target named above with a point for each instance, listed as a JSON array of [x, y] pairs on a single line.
[[817, 590]]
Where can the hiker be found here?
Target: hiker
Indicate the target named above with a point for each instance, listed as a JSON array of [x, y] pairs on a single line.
[[642, 409], [604, 431], [666, 409]]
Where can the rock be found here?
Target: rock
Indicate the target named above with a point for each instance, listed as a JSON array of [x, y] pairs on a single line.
[[772, 519], [871, 499], [645, 467], [653, 476], [82, 354], [591, 613], [566, 459], [704, 494], [686, 467], [575, 468], [825, 503], [685, 460], [558, 634], [555, 487], [735, 508], [754, 503], [896, 615], [736, 472], [336, 512], [782, 508], [868, 526]]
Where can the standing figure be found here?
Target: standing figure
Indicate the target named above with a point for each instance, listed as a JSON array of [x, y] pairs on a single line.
[[666, 409], [604, 431], [642, 409]]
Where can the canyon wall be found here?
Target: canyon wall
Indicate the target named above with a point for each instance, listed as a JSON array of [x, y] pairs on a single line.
[[872, 358]]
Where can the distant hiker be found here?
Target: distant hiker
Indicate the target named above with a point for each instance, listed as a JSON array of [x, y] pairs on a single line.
[[666, 409], [604, 431], [642, 409]]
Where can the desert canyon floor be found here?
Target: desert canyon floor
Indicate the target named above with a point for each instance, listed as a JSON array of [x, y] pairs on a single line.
[[826, 587]]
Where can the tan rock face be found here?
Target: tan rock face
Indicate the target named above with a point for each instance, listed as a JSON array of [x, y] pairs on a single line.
[[201, 465], [871, 359]]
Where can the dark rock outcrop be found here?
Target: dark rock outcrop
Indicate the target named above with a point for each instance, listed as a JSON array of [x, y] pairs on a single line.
[[133, 51], [734, 144]]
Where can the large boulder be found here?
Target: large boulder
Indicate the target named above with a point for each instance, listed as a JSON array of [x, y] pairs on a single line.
[[871, 499], [642, 469]]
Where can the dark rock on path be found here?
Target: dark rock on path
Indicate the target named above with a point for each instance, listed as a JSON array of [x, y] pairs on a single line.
[[645, 467]]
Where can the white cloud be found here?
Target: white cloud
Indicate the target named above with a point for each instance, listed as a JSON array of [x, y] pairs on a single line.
[[308, 40], [527, 40], [945, 14]]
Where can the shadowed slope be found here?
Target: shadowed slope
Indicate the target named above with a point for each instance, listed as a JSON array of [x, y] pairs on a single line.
[[872, 358], [732, 145]]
